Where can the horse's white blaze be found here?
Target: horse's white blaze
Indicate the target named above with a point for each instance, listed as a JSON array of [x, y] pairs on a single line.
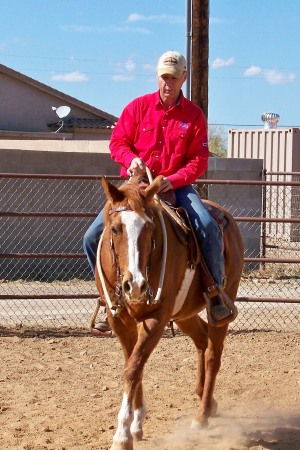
[[134, 225], [125, 418], [181, 296]]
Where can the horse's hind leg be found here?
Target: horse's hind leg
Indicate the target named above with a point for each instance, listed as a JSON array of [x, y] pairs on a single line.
[[209, 345]]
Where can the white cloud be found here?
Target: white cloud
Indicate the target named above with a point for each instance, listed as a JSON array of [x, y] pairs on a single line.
[[125, 70], [219, 62], [252, 70], [272, 76], [71, 77], [215, 20], [135, 17], [275, 77], [129, 65]]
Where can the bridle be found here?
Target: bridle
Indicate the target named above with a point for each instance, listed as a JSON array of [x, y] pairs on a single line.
[[118, 290]]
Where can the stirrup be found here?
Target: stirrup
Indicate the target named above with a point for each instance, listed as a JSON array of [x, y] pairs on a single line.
[[227, 303], [102, 329]]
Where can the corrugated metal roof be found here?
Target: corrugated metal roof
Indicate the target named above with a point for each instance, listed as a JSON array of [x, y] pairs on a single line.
[[84, 122]]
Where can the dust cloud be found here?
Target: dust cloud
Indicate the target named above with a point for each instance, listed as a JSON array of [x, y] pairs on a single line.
[[236, 430]]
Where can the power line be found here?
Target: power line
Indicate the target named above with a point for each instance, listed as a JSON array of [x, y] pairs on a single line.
[[75, 59], [256, 78]]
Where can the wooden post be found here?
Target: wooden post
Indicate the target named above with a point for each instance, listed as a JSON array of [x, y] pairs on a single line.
[[200, 46]]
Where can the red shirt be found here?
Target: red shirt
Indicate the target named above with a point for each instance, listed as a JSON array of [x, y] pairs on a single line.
[[171, 142]]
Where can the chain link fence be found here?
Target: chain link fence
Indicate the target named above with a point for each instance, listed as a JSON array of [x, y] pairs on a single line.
[[45, 280]]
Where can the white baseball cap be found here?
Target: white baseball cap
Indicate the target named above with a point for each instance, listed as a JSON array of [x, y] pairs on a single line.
[[172, 63]]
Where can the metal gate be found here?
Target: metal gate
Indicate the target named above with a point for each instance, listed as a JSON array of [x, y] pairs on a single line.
[[45, 281]]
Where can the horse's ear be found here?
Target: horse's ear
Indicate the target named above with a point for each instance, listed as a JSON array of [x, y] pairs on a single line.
[[111, 191], [153, 188]]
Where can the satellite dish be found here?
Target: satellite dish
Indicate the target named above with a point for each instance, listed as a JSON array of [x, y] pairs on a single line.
[[62, 112]]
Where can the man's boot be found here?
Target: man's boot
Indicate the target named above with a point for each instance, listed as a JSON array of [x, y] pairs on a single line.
[[102, 327], [220, 308]]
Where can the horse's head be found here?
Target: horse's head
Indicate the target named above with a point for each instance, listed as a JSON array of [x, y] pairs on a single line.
[[129, 219]]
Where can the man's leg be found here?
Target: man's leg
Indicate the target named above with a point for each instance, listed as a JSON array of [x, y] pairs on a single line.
[[90, 244], [91, 239], [206, 229], [210, 241]]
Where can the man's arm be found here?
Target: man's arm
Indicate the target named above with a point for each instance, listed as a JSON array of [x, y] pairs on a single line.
[[196, 156], [122, 138]]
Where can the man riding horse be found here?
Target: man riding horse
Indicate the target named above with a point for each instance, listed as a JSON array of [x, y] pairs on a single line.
[[167, 133]]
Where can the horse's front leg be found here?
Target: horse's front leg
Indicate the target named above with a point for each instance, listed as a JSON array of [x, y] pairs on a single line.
[[133, 411], [130, 419], [139, 413]]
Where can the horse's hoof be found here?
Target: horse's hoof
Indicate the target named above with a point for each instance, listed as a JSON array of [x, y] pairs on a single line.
[[199, 424], [137, 435]]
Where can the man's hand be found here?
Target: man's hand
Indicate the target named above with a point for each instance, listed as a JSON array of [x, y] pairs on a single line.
[[166, 185], [137, 167]]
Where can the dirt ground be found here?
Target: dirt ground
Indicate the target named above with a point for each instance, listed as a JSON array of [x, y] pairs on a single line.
[[63, 392]]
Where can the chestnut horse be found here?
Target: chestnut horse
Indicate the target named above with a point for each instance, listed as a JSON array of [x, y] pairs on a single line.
[[144, 275]]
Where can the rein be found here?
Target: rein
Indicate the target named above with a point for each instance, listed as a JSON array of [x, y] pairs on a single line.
[[164, 256], [114, 309]]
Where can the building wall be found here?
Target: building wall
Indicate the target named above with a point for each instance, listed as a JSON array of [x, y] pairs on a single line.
[[23, 107], [280, 151], [240, 200], [57, 157], [93, 158], [279, 148]]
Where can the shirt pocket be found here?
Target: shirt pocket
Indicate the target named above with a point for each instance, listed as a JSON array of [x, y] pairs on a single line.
[[178, 140], [145, 135], [181, 133]]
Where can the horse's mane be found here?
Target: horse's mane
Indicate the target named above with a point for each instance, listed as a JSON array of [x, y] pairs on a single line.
[[134, 198]]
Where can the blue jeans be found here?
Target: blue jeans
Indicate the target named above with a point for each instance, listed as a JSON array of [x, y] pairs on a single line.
[[206, 229]]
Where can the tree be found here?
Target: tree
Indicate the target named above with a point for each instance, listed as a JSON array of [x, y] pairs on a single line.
[[217, 141]]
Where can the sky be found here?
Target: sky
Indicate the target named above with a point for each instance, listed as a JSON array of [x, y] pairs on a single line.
[[105, 53]]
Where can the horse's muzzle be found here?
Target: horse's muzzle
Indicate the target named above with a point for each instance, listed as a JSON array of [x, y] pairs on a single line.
[[135, 289]]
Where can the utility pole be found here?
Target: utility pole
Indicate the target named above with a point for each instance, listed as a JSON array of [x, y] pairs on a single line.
[[200, 46]]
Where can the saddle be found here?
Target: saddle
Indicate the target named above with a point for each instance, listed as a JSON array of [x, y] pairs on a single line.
[[184, 230], [181, 223]]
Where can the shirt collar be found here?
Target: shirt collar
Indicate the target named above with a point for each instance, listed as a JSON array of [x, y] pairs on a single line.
[[179, 101]]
